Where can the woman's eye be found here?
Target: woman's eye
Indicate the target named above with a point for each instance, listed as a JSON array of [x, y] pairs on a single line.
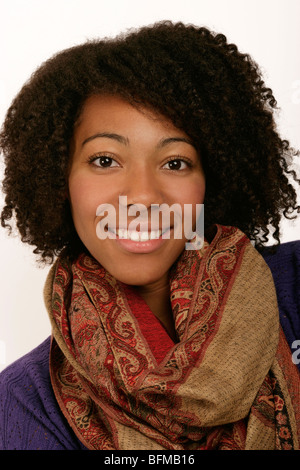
[[176, 164], [104, 162]]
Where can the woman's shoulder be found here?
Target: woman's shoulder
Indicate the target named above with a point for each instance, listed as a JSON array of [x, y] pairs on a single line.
[[29, 373], [29, 415], [284, 252], [284, 263]]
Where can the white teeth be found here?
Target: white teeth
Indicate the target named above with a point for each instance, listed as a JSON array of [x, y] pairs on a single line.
[[137, 236], [144, 236], [134, 236], [155, 234], [122, 232]]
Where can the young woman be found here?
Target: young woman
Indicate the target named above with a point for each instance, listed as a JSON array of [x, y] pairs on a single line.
[[154, 346]]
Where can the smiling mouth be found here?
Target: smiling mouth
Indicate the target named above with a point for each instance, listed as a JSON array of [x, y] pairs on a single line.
[[138, 236]]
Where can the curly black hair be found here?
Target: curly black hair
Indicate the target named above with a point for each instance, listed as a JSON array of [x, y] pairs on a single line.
[[191, 75]]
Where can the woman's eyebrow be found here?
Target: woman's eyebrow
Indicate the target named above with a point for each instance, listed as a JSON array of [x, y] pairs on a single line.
[[171, 140], [124, 140], [107, 135]]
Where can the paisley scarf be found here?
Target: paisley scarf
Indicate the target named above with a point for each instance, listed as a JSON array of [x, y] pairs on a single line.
[[227, 383]]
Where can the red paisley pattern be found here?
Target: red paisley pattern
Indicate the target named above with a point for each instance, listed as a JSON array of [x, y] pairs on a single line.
[[105, 374]]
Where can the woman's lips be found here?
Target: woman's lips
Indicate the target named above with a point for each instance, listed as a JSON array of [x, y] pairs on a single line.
[[140, 241]]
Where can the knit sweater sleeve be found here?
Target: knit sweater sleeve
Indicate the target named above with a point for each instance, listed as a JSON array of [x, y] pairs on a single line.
[[29, 416]]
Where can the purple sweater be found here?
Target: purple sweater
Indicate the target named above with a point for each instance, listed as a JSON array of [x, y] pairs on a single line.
[[30, 418]]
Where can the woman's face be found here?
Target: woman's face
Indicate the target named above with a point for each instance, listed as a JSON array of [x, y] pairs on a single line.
[[118, 150]]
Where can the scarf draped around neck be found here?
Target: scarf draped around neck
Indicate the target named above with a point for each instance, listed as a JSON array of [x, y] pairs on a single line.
[[123, 383]]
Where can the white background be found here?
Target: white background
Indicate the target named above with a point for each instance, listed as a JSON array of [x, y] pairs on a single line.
[[33, 30]]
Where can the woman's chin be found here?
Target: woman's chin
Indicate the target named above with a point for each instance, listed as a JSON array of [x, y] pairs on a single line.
[[138, 278]]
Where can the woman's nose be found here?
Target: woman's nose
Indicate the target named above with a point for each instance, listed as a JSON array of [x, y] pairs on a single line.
[[142, 187]]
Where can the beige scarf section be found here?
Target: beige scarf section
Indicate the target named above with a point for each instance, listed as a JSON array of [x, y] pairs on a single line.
[[228, 383]]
